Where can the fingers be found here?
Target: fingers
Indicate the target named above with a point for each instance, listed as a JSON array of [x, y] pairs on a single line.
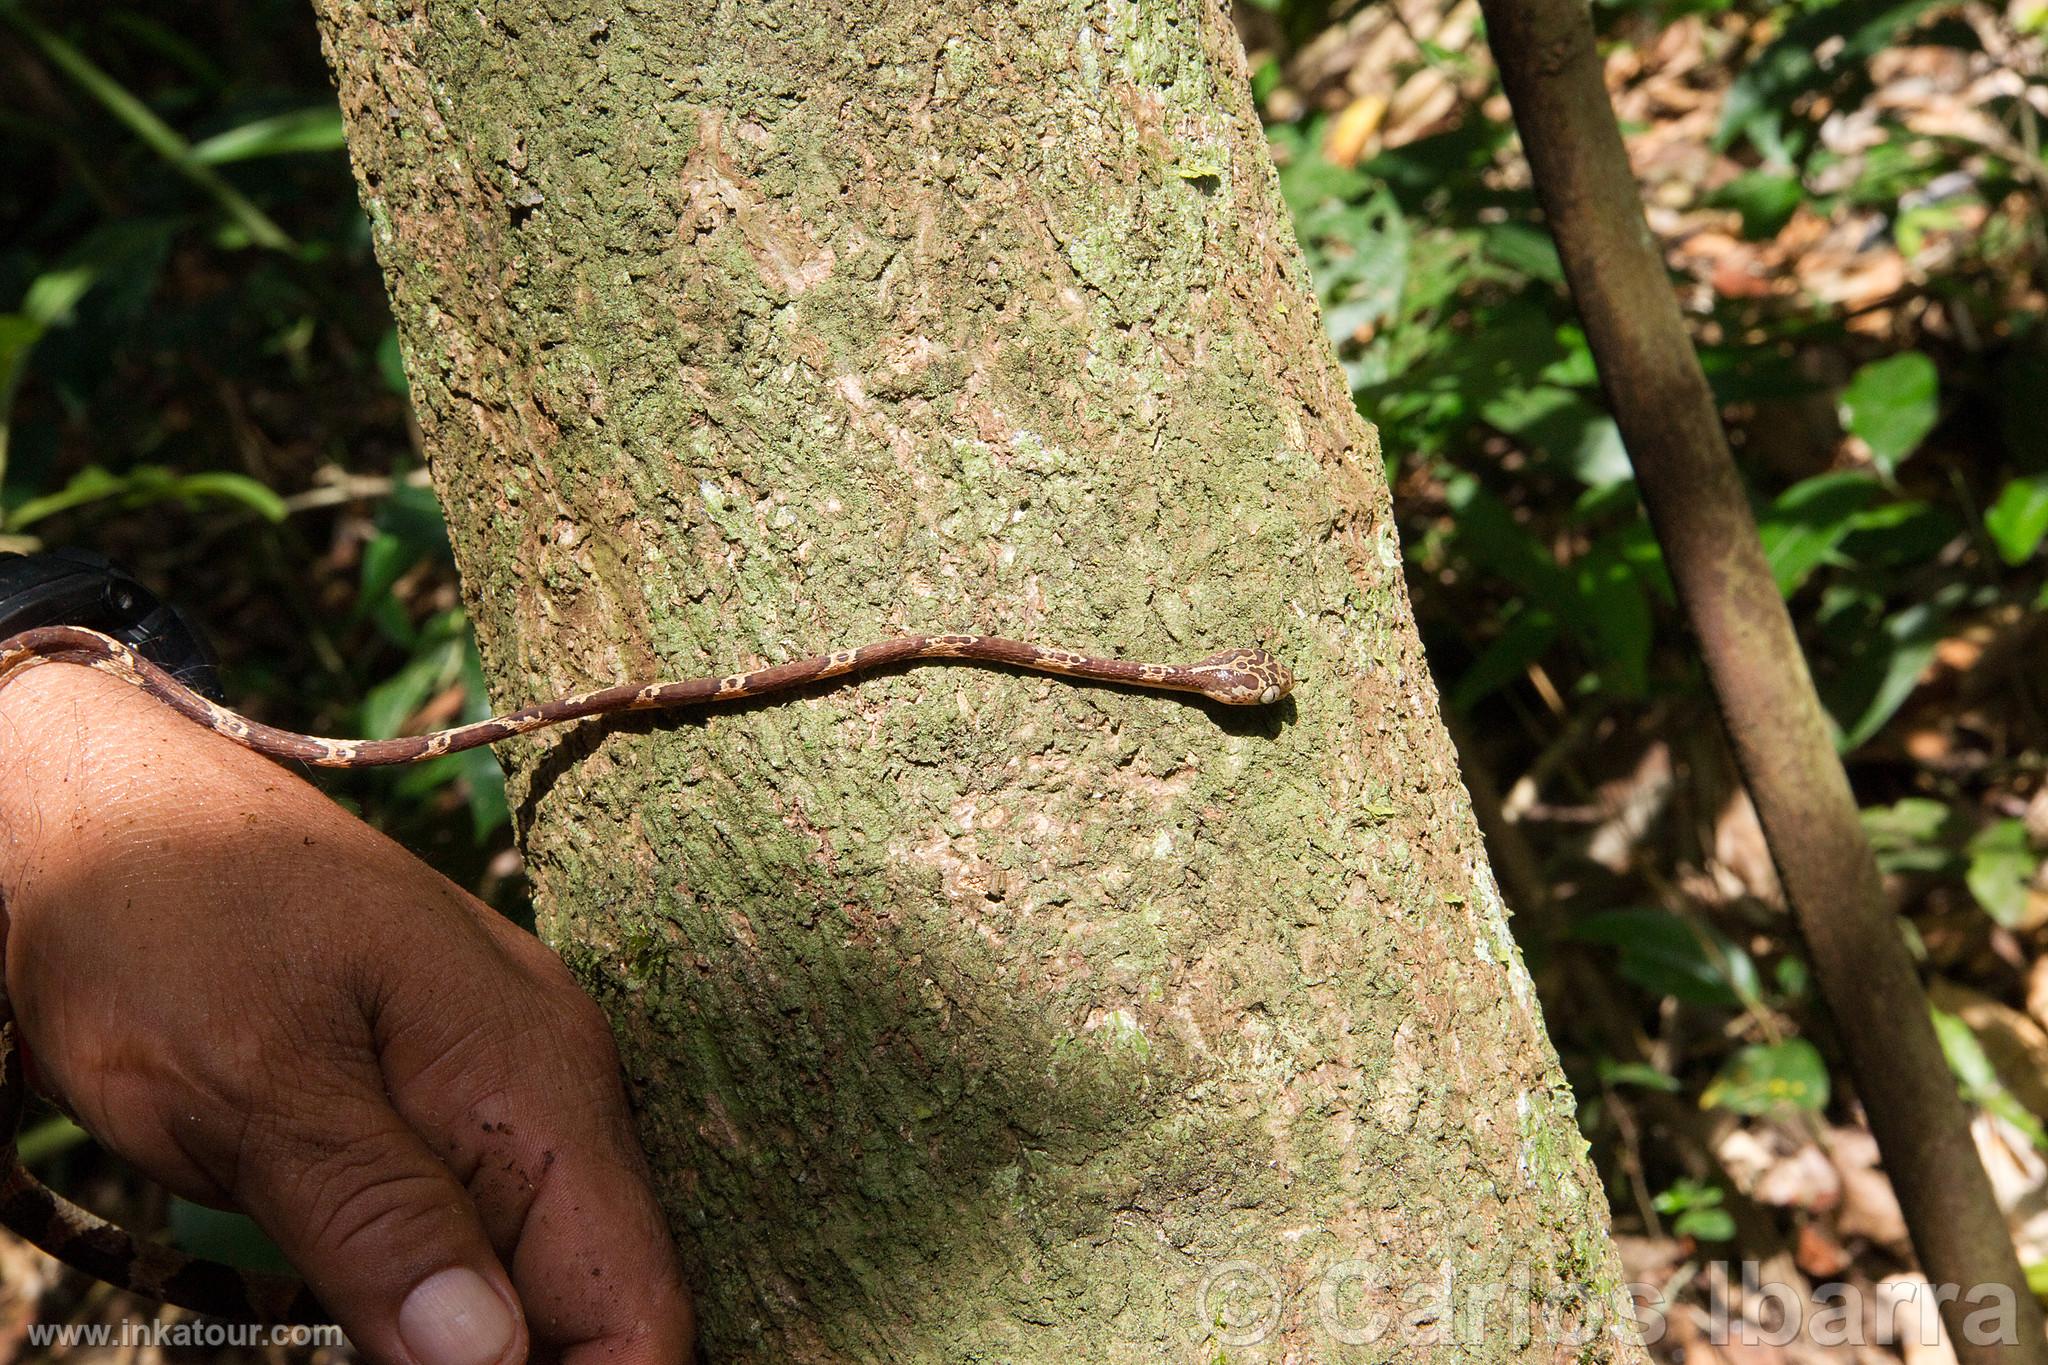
[[383, 1231], [557, 1174], [595, 1265]]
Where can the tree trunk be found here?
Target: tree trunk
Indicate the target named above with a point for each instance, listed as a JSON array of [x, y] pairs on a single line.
[[969, 1015]]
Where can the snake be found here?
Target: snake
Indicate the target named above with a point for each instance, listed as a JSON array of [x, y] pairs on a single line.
[[107, 1252]]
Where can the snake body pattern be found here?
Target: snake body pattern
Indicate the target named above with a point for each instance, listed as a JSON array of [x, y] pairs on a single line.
[[1237, 677]]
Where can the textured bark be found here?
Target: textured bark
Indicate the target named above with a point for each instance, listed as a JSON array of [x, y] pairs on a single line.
[[969, 1015]]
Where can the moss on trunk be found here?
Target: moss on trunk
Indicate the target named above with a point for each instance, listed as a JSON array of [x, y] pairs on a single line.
[[969, 1015]]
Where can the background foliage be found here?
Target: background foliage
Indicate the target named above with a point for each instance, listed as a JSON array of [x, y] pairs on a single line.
[[1850, 197], [198, 377]]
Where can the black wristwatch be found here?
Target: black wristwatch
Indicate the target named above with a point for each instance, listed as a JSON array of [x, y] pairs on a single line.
[[79, 588]]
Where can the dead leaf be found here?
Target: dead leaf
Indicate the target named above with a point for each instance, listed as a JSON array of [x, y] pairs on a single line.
[[1914, 1320], [1869, 1207], [1818, 1254], [1352, 130]]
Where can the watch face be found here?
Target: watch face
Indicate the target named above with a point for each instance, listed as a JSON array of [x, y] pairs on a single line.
[[78, 588]]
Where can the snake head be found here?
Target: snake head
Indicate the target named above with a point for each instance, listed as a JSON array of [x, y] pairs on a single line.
[[1243, 677]]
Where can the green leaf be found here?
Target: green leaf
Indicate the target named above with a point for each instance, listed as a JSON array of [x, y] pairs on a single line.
[[1705, 1225], [1965, 1054], [1602, 601], [2018, 521], [89, 484], [1565, 427], [52, 1137], [1901, 533], [1361, 273], [123, 260], [145, 485], [1696, 1211], [1760, 98], [220, 1235], [18, 336], [485, 777], [1638, 1074], [391, 364], [410, 528], [1637, 544], [1307, 181], [18, 332], [386, 707], [1909, 835], [1515, 342], [1766, 199], [233, 488], [52, 294], [1770, 1077], [1914, 228], [1892, 404], [413, 514], [1886, 670], [1979, 1080], [126, 254], [1484, 529], [2002, 867], [385, 559], [1680, 958], [1266, 79], [1622, 627], [477, 770], [318, 129], [1574, 367], [1523, 249], [1803, 526]]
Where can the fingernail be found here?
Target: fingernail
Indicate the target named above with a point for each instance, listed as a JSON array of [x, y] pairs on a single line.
[[454, 1317]]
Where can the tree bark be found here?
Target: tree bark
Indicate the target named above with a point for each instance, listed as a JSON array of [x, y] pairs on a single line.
[[969, 1015]]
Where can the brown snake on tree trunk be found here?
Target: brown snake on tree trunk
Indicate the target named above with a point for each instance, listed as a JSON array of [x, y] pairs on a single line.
[[1238, 677]]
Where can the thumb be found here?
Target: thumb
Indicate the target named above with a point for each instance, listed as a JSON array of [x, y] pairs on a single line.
[[386, 1236]]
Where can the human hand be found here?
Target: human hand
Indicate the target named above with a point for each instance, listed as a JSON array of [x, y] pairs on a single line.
[[264, 1003]]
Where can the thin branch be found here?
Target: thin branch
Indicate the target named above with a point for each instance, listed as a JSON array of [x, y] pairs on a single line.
[[335, 486], [1780, 736]]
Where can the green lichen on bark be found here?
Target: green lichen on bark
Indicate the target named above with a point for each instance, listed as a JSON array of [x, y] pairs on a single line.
[[969, 1016]]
